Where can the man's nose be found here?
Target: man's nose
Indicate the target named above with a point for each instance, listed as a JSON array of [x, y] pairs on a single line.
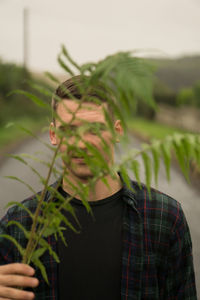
[[81, 143]]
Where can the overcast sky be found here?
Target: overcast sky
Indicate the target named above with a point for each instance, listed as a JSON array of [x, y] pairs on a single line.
[[92, 29]]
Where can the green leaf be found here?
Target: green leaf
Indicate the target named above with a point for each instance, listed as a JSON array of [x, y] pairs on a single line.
[[105, 181], [64, 66], [155, 149], [42, 268], [27, 131], [84, 196], [109, 122], [21, 181], [166, 152], [197, 149], [66, 54], [9, 124], [64, 202], [17, 157], [49, 231], [21, 205], [97, 156], [37, 253], [34, 98], [180, 154], [41, 89], [135, 167], [188, 142], [52, 77], [12, 239], [26, 233], [44, 244], [125, 176], [147, 166], [62, 238]]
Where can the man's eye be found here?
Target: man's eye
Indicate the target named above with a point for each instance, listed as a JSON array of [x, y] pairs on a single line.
[[97, 128], [67, 128]]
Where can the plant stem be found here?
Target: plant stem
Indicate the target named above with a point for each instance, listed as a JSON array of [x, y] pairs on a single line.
[[30, 243]]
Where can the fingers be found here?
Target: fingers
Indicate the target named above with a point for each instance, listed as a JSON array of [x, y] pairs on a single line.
[[17, 268], [18, 280], [16, 275], [11, 293]]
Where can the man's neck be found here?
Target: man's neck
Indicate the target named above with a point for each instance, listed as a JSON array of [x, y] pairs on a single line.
[[99, 191]]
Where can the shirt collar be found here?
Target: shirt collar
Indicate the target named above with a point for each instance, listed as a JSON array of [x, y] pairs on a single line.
[[129, 195]]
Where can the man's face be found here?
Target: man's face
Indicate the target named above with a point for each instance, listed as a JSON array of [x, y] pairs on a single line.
[[90, 115]]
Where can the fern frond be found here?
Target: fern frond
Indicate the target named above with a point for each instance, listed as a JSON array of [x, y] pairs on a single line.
[[21, 205], [23, 182], [26, 233], [44, 244], [52, 77], [64, 66], [135, 168], [69, 58], [15, 242], [37, 262], [125, 176], [147, 166], [156, 158], [34, 98]]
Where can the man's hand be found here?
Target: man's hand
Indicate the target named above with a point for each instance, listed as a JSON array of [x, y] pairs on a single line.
[[16, 275]]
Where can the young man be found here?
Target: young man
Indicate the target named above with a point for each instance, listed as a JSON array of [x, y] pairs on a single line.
[[132, 247]]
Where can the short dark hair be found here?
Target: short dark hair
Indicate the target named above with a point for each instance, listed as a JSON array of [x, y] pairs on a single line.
[[73, 88]]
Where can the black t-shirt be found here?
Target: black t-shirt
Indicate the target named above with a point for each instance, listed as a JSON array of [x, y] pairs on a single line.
[[90, 267]]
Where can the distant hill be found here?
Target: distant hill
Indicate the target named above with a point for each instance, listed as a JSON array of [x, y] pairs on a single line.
[[174, 73], [178, 73]]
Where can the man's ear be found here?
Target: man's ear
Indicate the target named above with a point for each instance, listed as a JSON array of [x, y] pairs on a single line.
[[119, 129], [52, 134]]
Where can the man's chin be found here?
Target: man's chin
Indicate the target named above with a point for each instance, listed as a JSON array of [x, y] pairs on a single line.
[[85, 176], [81, 172]]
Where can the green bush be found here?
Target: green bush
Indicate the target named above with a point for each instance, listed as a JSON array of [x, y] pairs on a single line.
[[164, 94], [14, 106], [189, 96]]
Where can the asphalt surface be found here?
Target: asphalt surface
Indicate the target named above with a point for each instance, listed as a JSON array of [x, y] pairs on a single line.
[[178, 188]]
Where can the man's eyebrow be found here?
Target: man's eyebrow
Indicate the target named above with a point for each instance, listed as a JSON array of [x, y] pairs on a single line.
[[79, 124], [67, 125]]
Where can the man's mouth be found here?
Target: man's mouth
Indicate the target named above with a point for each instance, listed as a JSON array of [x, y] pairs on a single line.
[[80, 160]]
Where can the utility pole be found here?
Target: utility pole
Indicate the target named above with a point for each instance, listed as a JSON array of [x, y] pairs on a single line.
[[25, 37]]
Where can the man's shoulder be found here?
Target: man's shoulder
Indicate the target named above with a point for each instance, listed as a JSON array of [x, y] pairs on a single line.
[[23, 209], [153, 195], [158, 213], [155, 204]]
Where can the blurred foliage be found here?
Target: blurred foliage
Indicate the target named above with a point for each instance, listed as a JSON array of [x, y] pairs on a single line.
[[177, 82], [15, 106], [163, 93], [189, 96], [178, 73]]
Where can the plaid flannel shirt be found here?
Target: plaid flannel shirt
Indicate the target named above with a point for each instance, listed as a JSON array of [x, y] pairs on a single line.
[[157, 258]]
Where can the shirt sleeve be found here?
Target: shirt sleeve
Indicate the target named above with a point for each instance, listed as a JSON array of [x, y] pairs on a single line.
[[6, 246], [180, 282]]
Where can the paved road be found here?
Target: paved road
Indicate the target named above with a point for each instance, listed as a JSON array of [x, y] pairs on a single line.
[[178, 188]]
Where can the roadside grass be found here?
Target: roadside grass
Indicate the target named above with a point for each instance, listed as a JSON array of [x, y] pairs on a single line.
[[12, 133], [149, 130]]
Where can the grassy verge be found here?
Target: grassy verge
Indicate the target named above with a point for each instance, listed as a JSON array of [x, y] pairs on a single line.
[[150, 129], [12, 134]]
